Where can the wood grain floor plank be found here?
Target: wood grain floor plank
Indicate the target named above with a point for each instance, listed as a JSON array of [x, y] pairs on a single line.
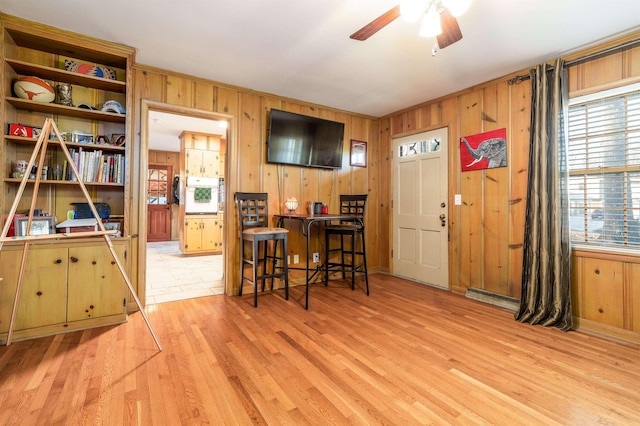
[[407, 354]]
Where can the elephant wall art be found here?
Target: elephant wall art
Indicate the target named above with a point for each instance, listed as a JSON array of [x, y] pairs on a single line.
[[484, 150]]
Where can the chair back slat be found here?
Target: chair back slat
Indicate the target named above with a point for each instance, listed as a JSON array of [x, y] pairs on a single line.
[[253, 208], [353, 204]]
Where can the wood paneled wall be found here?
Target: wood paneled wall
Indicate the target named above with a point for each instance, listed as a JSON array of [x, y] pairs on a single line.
[[247, 169], [487, 230]]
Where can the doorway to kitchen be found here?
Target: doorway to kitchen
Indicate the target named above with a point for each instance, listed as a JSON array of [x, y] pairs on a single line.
[[171, 274]]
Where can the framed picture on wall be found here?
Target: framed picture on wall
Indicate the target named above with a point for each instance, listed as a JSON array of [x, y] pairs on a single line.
[[358, 155]]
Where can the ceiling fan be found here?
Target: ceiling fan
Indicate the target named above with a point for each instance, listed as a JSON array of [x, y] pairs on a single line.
[[438, 19]]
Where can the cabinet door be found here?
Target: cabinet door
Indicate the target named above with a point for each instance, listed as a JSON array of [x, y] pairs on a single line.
[[192, 235], [202, 163], [193, 162], [96, 285], [44, 288], [211, 235], [211, 163]]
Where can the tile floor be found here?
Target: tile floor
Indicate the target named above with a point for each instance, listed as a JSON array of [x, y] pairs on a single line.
[[172, 275]]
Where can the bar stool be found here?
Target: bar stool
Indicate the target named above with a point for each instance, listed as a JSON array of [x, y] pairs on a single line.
[[349, 204], [254, 228]]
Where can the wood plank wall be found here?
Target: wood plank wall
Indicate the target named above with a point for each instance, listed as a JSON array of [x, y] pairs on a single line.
[[487, 230], [246, 158], [491, 217]]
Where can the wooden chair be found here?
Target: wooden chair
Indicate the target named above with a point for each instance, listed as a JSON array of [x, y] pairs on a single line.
[[254, 228], [349, 204]]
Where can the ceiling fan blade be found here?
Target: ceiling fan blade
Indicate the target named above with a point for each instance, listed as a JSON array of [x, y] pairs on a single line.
[[377, 24], [450, 30]]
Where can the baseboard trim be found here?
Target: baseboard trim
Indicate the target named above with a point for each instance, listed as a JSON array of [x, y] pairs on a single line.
[[506, 302]]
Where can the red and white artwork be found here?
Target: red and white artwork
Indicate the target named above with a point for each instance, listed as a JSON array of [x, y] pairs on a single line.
[[484, 150]]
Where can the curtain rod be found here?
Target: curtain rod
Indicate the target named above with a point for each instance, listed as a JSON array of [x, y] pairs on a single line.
[[519, 78]]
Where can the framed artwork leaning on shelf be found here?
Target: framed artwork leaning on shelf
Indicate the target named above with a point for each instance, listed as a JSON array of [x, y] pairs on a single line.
[[118, 139], [103, 140], [40, 225]]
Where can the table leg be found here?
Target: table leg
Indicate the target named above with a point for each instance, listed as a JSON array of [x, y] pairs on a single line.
[[306, 297]]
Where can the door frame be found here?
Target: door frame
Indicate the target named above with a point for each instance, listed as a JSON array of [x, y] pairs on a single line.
[[449, 153], [145, 107]]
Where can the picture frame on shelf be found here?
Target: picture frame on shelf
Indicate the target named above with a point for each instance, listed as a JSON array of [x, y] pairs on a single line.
[[118, 139], [103, 140], [40, 225], [79, 137], [114, 225], [62, 134], [358, 153]]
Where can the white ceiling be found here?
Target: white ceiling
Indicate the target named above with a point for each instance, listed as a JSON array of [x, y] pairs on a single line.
[[301, 49], [165, 129]]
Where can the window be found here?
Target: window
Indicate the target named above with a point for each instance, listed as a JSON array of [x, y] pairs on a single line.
[[604, 168], [421, 147]]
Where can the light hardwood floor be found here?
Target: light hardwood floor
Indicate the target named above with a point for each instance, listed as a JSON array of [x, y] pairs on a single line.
[[172, 275], [407, 354]]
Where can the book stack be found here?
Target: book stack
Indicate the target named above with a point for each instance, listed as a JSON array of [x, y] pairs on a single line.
[[95, 167]]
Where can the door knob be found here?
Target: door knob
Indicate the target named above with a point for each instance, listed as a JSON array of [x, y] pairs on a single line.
[[443, 222]]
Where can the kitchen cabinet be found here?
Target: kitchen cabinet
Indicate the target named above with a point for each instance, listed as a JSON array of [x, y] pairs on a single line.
[[201, 156], [68, 285], [202, 163], [202, 234]]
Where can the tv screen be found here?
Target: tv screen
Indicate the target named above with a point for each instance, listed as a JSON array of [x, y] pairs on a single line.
[[301, 140]]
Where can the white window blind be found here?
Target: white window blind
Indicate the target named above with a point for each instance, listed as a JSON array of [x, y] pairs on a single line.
[[604, 168]]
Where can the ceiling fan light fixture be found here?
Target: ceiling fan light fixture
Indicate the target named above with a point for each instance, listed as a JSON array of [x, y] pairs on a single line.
[[430, 24], [412, 10], [457, 7]]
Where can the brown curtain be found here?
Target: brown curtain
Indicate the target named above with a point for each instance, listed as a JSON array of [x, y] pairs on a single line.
[[546, 291]]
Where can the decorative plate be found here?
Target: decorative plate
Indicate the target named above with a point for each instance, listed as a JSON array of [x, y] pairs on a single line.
[[88, 69]]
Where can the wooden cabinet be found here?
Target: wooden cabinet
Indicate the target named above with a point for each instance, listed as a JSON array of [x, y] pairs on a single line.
[[202, 163], [605, 289], [202, 234], [94, 282], [68, 285], [29, 49], [201, 155], [71, 283], [44, 289]]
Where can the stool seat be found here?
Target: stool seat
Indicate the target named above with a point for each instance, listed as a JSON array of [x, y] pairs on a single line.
[[343, 228], [265, 233], [254, 229], [347, 263]]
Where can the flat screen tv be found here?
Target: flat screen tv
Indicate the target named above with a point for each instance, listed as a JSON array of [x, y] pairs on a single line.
[[301, 140]]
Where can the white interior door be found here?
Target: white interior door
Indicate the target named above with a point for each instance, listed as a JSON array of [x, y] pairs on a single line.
[[420, 231]]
